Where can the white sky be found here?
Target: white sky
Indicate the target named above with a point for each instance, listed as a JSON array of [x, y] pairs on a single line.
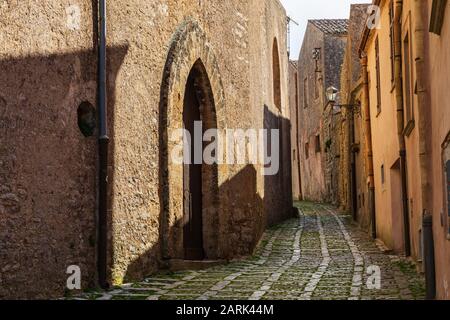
[[302, 10]]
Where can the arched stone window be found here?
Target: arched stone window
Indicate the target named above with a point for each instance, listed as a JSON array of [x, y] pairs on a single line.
[[276, 75]]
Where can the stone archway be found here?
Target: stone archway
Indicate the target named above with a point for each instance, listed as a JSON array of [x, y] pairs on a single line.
[[276, 75], [190, 51]]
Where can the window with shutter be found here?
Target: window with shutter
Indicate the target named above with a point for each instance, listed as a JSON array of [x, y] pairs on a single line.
[[391, 35], [377, 57]]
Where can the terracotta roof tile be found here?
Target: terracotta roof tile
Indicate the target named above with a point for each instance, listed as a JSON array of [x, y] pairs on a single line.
[[331, 26]]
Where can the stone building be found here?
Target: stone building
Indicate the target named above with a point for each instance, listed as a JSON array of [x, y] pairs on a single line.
[[355, 192], [295, 137], [407, 71], [319, 66], [166, 67]]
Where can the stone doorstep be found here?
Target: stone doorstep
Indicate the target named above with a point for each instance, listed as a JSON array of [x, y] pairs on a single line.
[[383, 248], [175, 265]]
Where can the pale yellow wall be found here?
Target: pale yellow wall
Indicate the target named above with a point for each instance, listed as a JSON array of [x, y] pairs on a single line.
[[412, 141], [384, 127]]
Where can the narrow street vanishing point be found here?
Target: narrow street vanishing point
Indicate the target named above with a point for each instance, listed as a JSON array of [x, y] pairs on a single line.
[[320, 255]]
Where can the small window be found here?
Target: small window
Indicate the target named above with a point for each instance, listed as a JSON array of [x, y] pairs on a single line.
[[383, 176], [318, 146], [307, 150], [408, 81], [391, 35], [317, 55]]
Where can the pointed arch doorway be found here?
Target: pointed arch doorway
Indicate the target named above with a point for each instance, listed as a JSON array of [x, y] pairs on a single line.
[[192, 170], [199, 179], [191, 221]]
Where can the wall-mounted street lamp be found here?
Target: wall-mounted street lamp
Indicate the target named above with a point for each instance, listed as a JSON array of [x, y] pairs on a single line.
[[332, 94]]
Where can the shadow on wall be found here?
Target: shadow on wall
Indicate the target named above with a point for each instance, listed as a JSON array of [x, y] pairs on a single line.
[[240, 230], [278, 188], [244, 208], [48, 169]]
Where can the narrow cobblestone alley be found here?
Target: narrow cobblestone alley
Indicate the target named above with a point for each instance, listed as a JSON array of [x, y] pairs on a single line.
[[319, 256]]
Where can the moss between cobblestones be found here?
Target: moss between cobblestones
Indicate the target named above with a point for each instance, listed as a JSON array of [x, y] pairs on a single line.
[[399, 278], [416, 282]]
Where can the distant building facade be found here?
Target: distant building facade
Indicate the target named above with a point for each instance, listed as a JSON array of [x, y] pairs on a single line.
[[294, 106], [355, 187], [319, 66]]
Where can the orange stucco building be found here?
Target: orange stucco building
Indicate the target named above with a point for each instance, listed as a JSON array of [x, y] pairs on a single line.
[[439, 118], [408, 67]]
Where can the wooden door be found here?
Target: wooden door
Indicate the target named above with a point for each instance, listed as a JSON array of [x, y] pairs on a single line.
[[192, 182]]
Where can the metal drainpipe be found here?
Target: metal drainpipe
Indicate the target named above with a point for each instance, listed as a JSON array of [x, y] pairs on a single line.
[[420, 37], [428, 246], [401, 121], [103, 142]]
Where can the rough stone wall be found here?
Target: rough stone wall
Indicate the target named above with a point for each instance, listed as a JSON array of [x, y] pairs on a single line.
[[313, 184], [48, 172], [294, 105], [47, 167], [353, 150], [266, 26], [315, 77], [247, 31], [334, 56]]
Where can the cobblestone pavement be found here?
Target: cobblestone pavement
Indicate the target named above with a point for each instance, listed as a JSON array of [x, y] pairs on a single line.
[[319, 255]]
